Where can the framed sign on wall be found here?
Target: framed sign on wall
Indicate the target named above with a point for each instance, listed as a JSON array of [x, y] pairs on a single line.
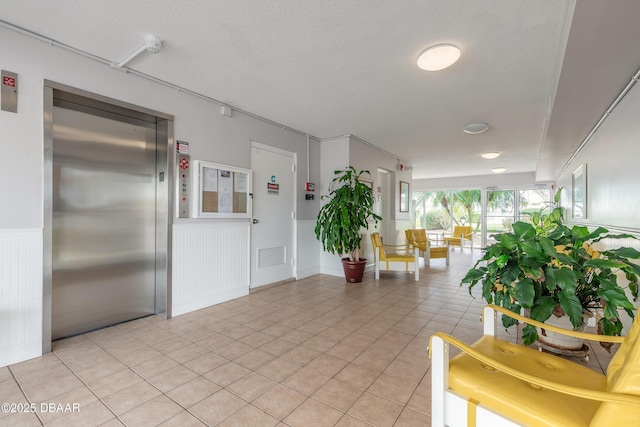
[[223, 191]]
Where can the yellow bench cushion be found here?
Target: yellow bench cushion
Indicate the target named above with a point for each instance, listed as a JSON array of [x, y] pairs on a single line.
[[517, 399], [438, 251], [399, 258]]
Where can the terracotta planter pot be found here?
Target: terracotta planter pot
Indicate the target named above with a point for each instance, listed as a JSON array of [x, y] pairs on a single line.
[[354, 270]]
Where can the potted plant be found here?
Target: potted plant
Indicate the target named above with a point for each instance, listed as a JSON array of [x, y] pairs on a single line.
[[348, 209], [550, 269]]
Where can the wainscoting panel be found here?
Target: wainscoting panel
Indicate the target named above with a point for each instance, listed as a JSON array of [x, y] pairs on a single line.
[[609, 244], [309, 248], [20, 295], [210, 264]]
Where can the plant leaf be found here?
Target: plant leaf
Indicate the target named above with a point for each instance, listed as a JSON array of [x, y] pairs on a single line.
[[548, 247], [614, 296], [523, 230], [510, 274], [631, 253], [533, 250], [556, 198], [550, 278], [572, 307], [508, 241], [508, 321], [533, 273], [565, 279], [543, 308], [603, 263], [529, 335], [566, 259], [610, 327], [579, 232], [474, 275], [525, 292]]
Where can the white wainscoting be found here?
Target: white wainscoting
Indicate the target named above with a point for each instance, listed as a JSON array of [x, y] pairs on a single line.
[[20, 295], [609, 244], [210, 264], [309, 248]]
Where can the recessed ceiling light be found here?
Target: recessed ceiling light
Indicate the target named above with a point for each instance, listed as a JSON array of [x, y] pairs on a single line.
[[475, 128], [498, 170], [438, 57], [490, 155]]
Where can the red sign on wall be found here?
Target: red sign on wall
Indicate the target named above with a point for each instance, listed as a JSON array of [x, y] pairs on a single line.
[[273, 188], [9, 81]]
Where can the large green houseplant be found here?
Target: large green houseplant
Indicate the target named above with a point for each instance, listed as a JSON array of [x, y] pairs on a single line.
[[548, 268], [349, 209]]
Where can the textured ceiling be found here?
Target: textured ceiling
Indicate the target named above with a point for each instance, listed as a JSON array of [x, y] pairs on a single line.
[[331, 67]]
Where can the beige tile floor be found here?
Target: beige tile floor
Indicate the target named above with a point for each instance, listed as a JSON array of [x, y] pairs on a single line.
[[315, 352]]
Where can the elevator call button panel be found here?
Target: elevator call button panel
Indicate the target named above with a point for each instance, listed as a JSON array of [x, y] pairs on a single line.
[[184, 186]]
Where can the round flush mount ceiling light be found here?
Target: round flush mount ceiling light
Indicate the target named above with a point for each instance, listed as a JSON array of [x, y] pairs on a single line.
[[438, 57], [475, 128], [492, 155], [498, 170]]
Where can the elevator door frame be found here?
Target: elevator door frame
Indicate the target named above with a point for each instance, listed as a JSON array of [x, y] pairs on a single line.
[[164, 202]]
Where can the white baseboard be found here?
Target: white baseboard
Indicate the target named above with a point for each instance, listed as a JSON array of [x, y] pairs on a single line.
[[179, 309], [20, 352], [308, 272]]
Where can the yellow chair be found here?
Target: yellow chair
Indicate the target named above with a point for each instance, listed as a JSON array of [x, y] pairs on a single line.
[[417, 238], [462, 234], [392, 259], [498, 383]]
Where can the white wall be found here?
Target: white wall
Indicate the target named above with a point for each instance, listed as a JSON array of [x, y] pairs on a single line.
[[613, 173], [334, 155], [611, 159], [212, 137]]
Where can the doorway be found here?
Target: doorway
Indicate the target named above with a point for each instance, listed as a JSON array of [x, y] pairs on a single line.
[[383, 205], [274, 213], [106, 213]]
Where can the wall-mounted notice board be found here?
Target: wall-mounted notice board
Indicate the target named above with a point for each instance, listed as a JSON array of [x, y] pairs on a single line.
[[223, 191]]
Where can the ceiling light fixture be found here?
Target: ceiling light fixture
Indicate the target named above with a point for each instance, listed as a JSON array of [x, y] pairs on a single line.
[[475, 128], [498, 170], [491, 155], [438, 57]]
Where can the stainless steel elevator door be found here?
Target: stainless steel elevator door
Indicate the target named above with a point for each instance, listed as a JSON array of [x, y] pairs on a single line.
[[104, 220]]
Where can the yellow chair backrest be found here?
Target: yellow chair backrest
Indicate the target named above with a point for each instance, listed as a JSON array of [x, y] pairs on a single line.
[[623, 376], [462, 231], [417, 238], [376, 242], [625, 361]]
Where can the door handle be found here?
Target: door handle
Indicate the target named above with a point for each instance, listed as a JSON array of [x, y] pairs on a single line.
[[255, 221]]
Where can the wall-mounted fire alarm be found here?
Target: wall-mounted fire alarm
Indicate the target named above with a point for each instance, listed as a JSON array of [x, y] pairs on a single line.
[[310, 186]]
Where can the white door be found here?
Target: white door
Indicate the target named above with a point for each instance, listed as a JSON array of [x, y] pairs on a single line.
[[273, 225]]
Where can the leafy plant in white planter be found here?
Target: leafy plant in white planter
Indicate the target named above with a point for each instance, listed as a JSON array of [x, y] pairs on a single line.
[[348, 210], [550, 269]]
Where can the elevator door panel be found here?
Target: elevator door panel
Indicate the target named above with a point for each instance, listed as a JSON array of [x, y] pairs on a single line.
[[104, 219]]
